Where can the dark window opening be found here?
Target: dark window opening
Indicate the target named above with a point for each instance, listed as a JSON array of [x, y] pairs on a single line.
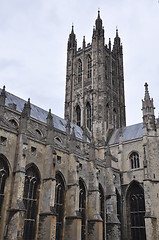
[[88, 107], [78, 113], [82, 208], [79, 71], [59, 203], [4, 173], [118, 205], [137, 213], [101, 200], [30, 202], [134, 158], [89, 67], [14, 123]]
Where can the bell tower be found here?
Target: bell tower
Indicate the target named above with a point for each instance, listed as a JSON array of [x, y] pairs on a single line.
[[94, 97]]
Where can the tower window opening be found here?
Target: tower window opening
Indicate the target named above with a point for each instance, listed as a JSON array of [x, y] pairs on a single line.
[[89, 67], [89, 120], [79, 70]]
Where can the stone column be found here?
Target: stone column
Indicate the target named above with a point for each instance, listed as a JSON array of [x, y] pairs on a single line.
[[95, 223], [17, 209], [47, 218]]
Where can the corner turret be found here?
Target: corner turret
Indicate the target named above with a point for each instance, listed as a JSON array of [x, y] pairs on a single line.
[[72, 43], [148, 111]]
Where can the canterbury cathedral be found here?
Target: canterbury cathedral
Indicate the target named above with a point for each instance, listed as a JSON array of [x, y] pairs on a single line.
[[87, 176]]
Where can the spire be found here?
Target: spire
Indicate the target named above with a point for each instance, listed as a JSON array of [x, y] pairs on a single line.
[[72, 43], [117, 45], [2, 96], [84, 42], [98, 22], [98, 30], [50, 129], [148, 110]]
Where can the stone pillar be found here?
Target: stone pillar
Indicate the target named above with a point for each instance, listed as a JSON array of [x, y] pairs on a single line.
[[73, 219], [113, 224], [95, 223], [47, 218], [17, 209]]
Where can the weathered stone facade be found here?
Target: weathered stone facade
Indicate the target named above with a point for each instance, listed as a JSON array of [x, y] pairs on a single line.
[[87, 176]]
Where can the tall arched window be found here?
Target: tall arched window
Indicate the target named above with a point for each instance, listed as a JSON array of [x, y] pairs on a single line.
[[82, 208], [134, 158], [88, 107], [89, 67], [79, 70], [4, 173], [101, 201], [78, 115], [59, 204], [32, 181], [136, 212], [118, 205]]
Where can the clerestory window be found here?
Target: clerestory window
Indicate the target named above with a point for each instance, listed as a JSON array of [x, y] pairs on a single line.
[[32, 181]]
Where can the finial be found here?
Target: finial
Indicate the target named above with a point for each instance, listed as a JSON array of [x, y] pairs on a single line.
[[28, 100], [98, 12], [4, 87], [146, 87], [116, 31]]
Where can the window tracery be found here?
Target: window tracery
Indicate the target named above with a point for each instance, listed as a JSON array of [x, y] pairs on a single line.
[[30, 197], [59, 204], [134, 158], [78, 115], [82, 208], [79, 70], [89, 120], [4, 173], [89, 67]]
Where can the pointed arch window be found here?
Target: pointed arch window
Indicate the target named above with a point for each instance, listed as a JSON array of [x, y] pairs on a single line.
[[82, 208], [88, 112], [4, 173], [89, 67], [59, 205], [118, 205], [134, 159], [79, 70], [101, 202], [32, 182], [78, 115], [136, 212]]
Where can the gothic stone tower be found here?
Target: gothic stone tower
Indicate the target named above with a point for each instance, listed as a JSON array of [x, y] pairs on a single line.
[[95, 84]]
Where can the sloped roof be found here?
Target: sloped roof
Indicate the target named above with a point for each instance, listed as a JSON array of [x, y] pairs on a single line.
[[128, 133], [40, 114]]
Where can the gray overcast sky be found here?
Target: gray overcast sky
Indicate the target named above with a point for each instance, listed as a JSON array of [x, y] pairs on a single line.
[[33, 46]]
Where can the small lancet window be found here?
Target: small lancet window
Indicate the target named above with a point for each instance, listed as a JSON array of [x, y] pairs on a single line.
[[82, 208], [78, 115], [79, 70], [59, 204], [30, 197], [89, 67], [38, 132], [4, 173], [101, 202], [134, 159], [88, 112]]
